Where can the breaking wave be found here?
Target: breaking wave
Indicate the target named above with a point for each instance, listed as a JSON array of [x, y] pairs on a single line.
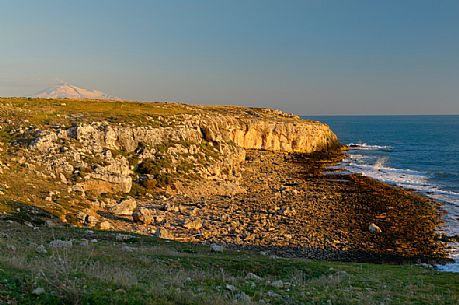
[[365, 146]]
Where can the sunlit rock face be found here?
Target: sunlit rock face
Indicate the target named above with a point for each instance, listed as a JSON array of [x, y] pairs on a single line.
[[103, 157]]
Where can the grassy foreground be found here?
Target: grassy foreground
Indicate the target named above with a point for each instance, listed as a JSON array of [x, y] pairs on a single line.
[[112, 268]]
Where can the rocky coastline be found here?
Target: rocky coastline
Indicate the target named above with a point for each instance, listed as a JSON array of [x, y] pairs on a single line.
[[231, 177]]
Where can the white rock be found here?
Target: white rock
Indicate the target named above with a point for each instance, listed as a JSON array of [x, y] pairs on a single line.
[[125, 207], [41, 249], [242, 297], [272, 294], [374, 228], [123, 237], [216, 248], [38, 291], [57, 243], [230, 287], [252, 276], [277, 284]]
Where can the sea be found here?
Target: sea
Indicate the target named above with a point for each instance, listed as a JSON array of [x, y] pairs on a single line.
[[420, 153]]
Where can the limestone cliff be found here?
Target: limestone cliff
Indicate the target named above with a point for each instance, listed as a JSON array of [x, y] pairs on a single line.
[[103, 148]]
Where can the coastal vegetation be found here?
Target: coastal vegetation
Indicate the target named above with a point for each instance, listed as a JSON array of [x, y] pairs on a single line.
[[94, 267]]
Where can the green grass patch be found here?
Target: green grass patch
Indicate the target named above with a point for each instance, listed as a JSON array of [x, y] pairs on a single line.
[[148, 270]]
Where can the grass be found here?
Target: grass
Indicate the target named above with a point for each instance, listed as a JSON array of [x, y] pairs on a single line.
[[38, 112], [41, 112], [147, 270]]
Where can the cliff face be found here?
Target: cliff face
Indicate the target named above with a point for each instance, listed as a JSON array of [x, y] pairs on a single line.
[[202, 145], [283, 136], [248, 133], [96, 147]]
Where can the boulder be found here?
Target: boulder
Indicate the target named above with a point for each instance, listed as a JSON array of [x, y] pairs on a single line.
[[57, 243], [253, 276], [216, 248], [374, 228], [143, 216], [38, 291], [91, 220], [125, 207], [161, 232], [195, 224], [41, 249], [278, 284], [105, 225]]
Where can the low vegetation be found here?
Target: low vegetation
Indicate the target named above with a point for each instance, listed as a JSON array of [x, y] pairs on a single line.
[[112, 268]]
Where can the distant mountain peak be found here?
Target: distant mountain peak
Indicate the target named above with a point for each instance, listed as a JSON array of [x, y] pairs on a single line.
[[66, 90]]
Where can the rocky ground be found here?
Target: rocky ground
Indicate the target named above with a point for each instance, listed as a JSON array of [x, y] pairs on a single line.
[[293, 207]]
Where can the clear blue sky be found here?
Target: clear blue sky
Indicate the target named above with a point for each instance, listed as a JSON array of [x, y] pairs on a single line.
[[307, 57]]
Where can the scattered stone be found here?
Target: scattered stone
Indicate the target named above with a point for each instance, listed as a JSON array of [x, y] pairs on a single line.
[[230, 287], [272, 294], [216, 248], [125, 207], [38, 291], [123, 237], [91, 220], [57, 243], [278, 284], [63, 178], [159, 218], [193, 224], [242, 297], [374, 228], [105, 225], [29, 224], [41, 249], [161, 232], [253, 276], [142, 215], [81, 216]]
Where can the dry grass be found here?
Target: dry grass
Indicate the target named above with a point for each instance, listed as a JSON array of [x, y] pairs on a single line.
[[151, 271]]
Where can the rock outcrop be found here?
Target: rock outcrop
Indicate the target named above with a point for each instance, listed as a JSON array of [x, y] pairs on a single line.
[[102, 157]]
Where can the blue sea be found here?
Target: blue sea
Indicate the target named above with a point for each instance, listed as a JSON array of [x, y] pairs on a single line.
[[415, 152]]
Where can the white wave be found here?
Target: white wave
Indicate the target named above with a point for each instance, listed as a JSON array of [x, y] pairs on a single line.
[[365, 146], [380, 162], [406, 178], [451, 267]]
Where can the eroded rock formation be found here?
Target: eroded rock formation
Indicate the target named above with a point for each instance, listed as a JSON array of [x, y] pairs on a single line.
[[104, 157]]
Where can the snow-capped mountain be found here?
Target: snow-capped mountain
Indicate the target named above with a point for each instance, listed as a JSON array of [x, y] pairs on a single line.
[[65, 90]]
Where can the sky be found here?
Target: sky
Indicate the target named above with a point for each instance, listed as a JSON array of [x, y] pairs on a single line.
[[307, 57]]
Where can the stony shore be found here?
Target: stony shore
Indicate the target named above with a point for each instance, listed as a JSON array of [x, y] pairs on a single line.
[[295, 207]]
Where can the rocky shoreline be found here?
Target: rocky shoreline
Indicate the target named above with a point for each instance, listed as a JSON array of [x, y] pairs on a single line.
[[230, 176], [295, 207]]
